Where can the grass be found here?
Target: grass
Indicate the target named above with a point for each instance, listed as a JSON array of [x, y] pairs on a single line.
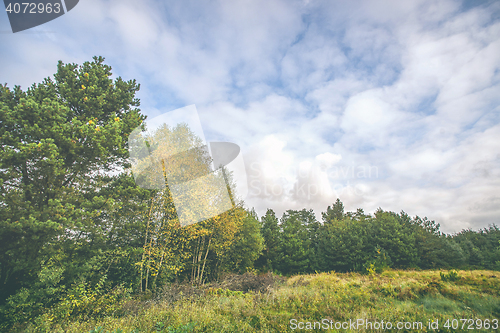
[[394, 295]]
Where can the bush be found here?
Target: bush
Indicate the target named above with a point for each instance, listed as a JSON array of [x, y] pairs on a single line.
[[379, 263], [232, 284], [451, 276]]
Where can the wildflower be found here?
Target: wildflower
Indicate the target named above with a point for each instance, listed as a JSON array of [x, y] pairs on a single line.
[[83, 87]]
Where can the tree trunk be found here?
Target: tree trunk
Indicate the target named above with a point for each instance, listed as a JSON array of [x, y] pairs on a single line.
[[205, 260], [145, 243]]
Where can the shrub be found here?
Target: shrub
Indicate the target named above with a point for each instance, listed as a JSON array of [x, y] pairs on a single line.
[[451, 276]]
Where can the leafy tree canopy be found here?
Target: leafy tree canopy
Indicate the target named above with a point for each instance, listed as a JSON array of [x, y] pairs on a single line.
[[59, 141]]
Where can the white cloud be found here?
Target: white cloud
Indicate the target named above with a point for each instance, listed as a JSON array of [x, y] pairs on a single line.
[[327, 160], [390, 104]]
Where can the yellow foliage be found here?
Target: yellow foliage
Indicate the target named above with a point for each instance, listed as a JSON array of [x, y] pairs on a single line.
[[189, 185]]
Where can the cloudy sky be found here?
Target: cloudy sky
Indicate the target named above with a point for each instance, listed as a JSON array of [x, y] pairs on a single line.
[[391, 104]]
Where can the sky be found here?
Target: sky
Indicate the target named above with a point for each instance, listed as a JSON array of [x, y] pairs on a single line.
[[390, 104]]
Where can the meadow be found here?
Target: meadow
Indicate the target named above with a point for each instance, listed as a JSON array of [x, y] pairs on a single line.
[[270, 303]]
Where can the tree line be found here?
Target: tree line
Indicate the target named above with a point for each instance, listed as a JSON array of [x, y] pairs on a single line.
[[359, 242], [78, 236]]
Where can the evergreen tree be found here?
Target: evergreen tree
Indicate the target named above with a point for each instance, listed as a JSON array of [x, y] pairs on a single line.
[[295, 245], [434, 249], [247, 246], [271, 233], [333, 213], [61, 140]]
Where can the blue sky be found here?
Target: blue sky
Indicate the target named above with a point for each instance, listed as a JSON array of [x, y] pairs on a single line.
[[391, 104]]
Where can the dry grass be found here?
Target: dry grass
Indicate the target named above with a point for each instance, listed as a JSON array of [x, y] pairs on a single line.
[[267, 303]]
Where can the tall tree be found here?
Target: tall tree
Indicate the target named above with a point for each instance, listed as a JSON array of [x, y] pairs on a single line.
[[247, 246], [389, 232], [195, 213], [334, 213], [60, 140], [295, 245], [271, 233]]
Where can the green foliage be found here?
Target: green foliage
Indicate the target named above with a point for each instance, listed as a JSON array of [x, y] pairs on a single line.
[[159, 326], [433, 248], [59, 204], [224, 292], [186, 328], [334, 213], [86, 301], [295, 244], [246, 247], [450, 277], [97, 330], [33, 302], [51, 301], [271, 233], [379, 263], [480, 249], [392, 232], [342, 246]]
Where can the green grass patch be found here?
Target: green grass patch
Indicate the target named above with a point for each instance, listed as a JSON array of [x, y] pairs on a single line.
[[416, 296]]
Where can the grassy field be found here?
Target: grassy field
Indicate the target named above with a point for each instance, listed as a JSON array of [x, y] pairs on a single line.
[[273, 304]]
